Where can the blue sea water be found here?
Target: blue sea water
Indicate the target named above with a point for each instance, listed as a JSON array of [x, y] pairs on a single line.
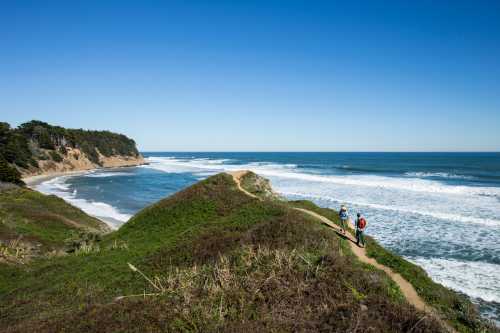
[[439, 210]]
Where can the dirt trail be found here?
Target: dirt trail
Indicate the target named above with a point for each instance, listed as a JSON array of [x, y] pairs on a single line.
[[406, 287], [237, 177]]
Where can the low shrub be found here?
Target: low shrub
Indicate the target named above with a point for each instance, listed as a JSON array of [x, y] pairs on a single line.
[[9, 174], [55, 156]]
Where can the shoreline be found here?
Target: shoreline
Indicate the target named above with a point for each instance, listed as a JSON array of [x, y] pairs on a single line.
[[35, 180], [32, 181]]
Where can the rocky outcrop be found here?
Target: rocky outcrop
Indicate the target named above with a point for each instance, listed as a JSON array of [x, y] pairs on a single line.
[[256, 185]]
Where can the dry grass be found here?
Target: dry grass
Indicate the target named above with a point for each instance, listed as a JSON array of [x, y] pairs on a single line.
[[258, 285], [212, 260], [14, 251]]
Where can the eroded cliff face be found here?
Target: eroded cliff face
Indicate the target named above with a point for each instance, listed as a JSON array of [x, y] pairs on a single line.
[[38, 148], [76, 160]]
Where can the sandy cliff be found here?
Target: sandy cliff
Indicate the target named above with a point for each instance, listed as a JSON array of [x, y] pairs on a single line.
[[76, 160]]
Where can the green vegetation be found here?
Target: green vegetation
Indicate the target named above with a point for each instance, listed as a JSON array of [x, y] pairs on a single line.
[[14, 147], [63, 150], [55, 156], [22, 147], [216, 260], [456, 308], [9, 174], [33, 224], [257, 185]]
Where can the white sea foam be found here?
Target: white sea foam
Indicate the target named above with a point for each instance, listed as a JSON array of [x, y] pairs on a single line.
[[208, 167], [395, 208], [169, 164], [105, 174], [437, 175], [109, 214], [415, 185], [476, 279]]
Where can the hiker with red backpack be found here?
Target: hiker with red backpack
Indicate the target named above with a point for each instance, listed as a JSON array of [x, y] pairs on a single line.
[[360, 229]]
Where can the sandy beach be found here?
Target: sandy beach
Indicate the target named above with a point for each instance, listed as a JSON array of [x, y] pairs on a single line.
[[33, 181]]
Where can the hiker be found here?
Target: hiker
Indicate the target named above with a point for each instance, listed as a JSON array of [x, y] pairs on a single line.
[[344, 217], [360, 229]]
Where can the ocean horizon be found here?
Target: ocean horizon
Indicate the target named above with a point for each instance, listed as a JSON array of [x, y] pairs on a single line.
[[440, 210]]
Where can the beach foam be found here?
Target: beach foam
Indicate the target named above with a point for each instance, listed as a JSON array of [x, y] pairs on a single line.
[[170, 164], [476, 279], [107, 213], [420, 174], [427, 213], [105, 174]]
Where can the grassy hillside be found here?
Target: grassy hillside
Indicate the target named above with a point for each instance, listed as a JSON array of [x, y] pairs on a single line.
[[216, 260], [456, 308], [33, 224]]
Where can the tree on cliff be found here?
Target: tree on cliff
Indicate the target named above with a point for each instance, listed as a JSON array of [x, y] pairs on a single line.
[[22, 147], [9, 174]]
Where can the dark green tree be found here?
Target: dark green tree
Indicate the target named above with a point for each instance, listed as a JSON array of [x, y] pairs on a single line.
[[9, 174], [21, 146]]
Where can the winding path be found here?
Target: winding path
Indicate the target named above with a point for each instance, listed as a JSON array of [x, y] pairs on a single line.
[[406, 287]]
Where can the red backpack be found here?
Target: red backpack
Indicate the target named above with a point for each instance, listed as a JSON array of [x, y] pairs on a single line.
[[361, 223]]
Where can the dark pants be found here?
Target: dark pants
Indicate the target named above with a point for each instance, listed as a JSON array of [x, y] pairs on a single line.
[[360, 237]]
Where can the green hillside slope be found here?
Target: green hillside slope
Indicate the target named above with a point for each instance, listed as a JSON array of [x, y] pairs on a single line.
[[34, 224], [209, 259]]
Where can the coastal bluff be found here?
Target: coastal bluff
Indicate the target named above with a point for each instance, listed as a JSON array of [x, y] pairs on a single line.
[[76, 160], [37, 148]]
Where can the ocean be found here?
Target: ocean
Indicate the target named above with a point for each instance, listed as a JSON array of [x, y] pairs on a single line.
[[439, 210]]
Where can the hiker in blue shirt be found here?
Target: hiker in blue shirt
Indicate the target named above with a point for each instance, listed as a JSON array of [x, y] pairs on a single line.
[[344, 217]]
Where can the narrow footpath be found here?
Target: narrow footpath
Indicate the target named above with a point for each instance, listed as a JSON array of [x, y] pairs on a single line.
[[406, 287]]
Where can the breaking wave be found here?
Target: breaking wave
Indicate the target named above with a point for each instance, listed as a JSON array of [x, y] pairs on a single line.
[[107, 213], [476, 279], [173, 165], [422, 212], [437, 175], [105, 174]]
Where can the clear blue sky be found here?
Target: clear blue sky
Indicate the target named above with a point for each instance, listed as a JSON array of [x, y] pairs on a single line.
[[258, 75]]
